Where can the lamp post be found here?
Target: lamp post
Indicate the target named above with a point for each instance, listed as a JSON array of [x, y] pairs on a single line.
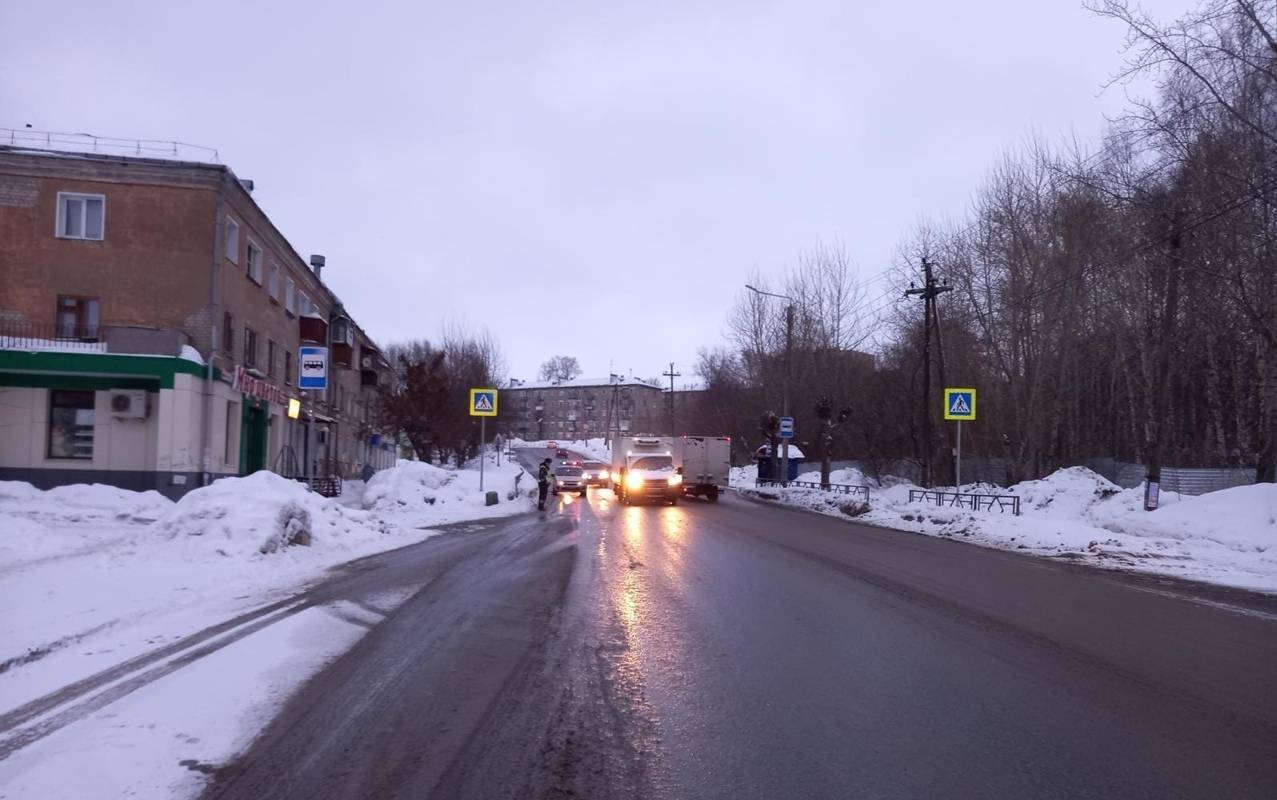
[[789, 351]]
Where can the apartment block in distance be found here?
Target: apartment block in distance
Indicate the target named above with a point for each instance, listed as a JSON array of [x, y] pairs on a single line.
[[582, 408], [152, 319]]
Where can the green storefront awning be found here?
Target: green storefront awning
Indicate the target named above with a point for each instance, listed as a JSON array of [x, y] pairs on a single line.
[[58, 369]]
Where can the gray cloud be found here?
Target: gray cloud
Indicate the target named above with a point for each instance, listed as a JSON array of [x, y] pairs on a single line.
[[539, 168]]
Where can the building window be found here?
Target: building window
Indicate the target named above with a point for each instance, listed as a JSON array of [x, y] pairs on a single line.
[[303, 304], [290, 296], [228, 332], [272, 285], [81, 216], [232, 240], [70, 424], [250, 347], [288, 368], [253, 263], [270, 356], [77, 317]]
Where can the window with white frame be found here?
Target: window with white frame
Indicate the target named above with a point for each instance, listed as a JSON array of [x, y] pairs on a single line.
[[290, 296], [81, 216], [303, 303], [253, 263], [232, 240], [272, 282]]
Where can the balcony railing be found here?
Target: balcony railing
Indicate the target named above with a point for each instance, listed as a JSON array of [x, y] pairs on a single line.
[[40, 336]]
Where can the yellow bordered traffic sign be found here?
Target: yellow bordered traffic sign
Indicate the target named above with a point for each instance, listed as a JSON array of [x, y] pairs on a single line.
[[483, 402], [959, 404]]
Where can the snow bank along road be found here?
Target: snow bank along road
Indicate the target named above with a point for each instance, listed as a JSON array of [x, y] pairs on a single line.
[[746, 651]]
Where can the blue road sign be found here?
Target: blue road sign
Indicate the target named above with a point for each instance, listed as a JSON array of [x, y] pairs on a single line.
[[312, 368], [959, 404], [786, 427]]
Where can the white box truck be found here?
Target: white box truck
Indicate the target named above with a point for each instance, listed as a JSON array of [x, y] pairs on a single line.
[[707, 464], [647, 468], [665, 468]]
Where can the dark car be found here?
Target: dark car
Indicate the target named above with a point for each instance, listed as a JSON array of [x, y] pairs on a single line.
[[560, 453], [596, 473], [568, 478]]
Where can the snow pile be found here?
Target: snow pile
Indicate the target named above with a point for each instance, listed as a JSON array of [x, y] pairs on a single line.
[[81, 502], [413, 483], [1225, 537], [1243, 519], [743, 477], [835, 504], [1069, 492], [258, 514], [428, 493], [36, 525], [590, 448]]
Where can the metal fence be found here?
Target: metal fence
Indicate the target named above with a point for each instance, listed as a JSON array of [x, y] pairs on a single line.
[[326, 487], [1180, 480], [970, 500], [837, 488], [36, 336]]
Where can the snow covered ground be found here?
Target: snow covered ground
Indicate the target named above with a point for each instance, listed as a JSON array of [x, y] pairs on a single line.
[[92, 577], [593, 448], [1227, 537]]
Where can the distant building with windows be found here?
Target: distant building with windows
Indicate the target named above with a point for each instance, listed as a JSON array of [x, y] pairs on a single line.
[[583, 408], [151, 317]]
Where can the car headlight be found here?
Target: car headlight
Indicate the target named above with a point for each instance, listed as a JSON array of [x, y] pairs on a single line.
[[604, 475], [676, 479], [634, 482]]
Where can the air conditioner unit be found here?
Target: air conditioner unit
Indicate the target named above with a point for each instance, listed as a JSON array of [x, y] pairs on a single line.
[[367, 361], [130, 405]]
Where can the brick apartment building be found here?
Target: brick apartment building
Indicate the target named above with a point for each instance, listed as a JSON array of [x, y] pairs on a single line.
[[150, 321], [582, 408]]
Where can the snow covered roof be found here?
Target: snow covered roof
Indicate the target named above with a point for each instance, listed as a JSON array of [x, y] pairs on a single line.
[[580, 383]]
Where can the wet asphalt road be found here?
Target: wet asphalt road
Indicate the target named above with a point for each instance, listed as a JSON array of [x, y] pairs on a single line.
[[741, 651]]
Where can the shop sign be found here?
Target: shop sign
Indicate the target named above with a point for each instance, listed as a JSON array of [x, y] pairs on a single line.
[[258, 387]]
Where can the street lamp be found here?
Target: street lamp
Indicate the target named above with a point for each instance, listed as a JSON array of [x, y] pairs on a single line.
[[789, 349]]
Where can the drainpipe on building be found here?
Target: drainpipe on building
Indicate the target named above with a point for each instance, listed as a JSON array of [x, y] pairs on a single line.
[[214, 303]]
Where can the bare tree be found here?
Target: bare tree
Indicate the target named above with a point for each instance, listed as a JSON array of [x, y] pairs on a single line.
[[560, 368]]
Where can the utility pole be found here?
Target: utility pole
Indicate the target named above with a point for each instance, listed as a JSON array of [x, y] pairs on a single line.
[[789, 375], [672, 375], [613, 407], [929, 292]]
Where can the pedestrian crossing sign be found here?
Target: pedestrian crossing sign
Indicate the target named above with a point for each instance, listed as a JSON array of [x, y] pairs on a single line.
[[483, 402], [959, 404]]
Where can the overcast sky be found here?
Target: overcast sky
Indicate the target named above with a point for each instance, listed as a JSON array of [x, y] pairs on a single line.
[[590, 179]]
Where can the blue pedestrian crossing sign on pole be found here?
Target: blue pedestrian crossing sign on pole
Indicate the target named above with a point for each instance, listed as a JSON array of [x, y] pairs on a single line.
[[959, 404], [483, 402], [786, 427]]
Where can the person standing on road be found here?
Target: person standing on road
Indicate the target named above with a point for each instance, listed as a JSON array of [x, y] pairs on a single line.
[[544, 476]]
